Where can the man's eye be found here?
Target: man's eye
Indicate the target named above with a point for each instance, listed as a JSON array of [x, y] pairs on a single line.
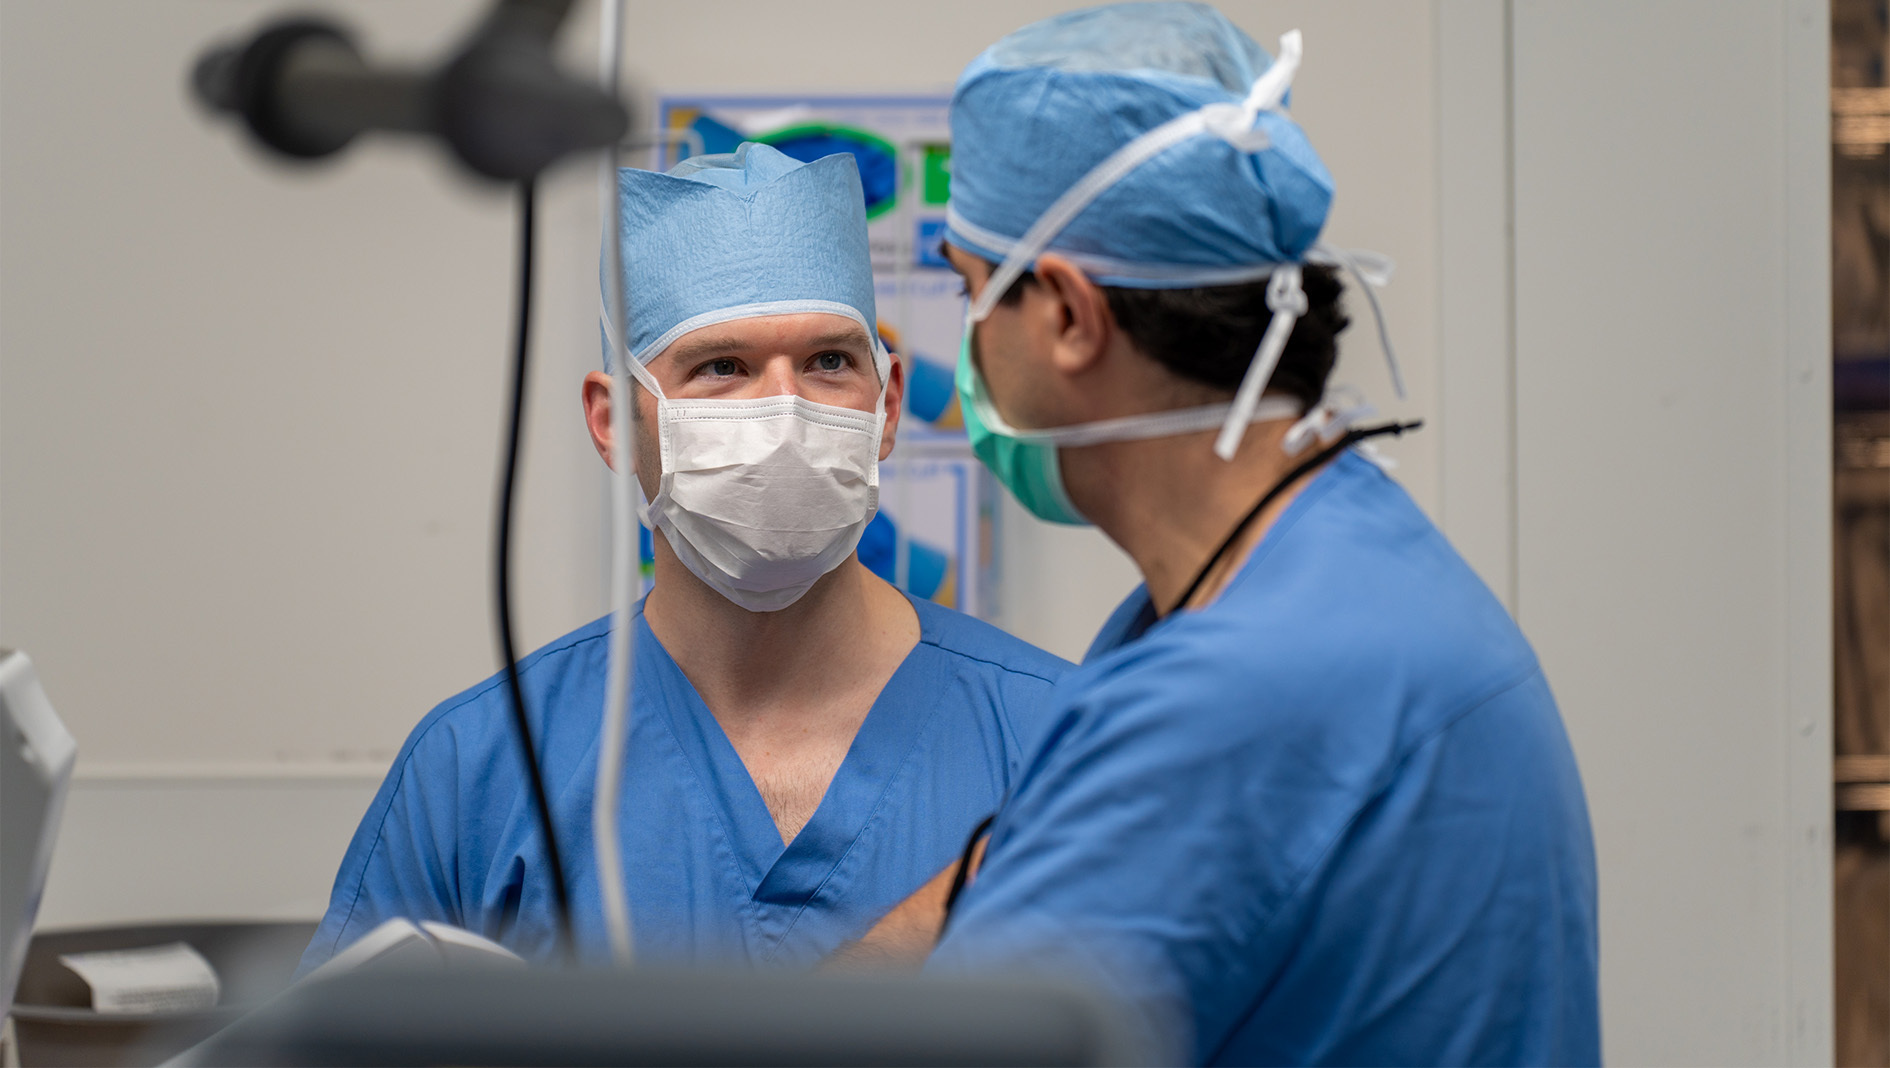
[[831, 361], [722, 367]]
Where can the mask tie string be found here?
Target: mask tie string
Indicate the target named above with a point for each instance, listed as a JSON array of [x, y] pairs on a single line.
[[1233, 123], [1372, 271], [647, 381], [1287, 301], [1336, 413]]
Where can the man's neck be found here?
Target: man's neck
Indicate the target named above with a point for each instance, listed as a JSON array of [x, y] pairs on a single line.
[[791, 688], [851, 630], [1170, 502]]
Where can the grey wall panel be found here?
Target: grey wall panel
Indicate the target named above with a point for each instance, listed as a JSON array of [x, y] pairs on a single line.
[[1662, 445]]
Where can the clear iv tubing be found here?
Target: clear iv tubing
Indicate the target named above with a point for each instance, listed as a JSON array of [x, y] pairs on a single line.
[[626, 580]]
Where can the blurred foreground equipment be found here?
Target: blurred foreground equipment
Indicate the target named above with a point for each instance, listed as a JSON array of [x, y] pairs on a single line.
[[656, 1016], [56, 1024], [499, 102]]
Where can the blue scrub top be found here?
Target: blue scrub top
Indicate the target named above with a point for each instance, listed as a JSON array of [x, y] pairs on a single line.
[[451, 835], [1330, 818]]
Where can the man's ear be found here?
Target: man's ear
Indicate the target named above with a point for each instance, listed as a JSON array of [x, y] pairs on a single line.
[[895, 404], [1086, 325], [597, 412]]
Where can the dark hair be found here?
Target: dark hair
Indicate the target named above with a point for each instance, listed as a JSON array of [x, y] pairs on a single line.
[[1208, 334]]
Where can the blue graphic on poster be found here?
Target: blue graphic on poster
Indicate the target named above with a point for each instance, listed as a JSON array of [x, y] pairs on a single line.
[[903, 147]]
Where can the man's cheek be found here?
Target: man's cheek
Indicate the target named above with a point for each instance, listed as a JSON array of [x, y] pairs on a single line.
[[649, 460]]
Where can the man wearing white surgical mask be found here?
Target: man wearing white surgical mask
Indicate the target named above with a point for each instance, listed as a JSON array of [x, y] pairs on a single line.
[[807, 745]]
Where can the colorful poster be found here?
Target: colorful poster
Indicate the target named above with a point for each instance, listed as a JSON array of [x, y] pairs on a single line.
[[903, 147], [940, 505]]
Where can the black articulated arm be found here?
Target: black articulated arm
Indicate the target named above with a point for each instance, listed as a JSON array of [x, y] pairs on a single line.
[[500, 103]]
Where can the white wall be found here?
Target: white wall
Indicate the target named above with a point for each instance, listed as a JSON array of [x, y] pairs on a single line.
[[1672, 346], [249, 420]]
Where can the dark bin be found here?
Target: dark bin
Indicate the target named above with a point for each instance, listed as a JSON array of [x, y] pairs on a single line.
[[52, 1013]]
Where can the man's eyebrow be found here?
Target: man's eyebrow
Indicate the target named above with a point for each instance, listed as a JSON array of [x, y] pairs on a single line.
[[709, 347], [841, 339]]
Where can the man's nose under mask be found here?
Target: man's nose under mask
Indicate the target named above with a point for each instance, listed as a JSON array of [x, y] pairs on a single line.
[[760, 498]]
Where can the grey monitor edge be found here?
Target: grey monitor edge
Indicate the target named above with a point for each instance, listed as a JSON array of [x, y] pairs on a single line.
[[675, 1016], [36, 758]]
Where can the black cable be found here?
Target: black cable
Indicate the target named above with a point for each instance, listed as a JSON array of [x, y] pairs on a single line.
[[502, 553], [963, 874], [1351, 438]]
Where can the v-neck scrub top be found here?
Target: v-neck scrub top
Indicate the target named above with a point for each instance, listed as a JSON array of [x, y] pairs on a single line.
[[1331, 817], [451, 835]]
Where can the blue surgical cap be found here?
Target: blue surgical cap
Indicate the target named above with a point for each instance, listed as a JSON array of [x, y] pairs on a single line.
[[1041, 108], [741, 235]]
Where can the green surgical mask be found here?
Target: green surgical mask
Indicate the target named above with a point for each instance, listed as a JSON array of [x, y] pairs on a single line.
[[1026, 461], [1029, 469]]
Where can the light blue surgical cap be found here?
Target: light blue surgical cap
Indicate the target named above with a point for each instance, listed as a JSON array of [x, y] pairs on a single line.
[[740, 235], [1041, 108]]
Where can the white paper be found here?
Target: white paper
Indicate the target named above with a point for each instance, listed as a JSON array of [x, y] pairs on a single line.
[[459, 946], [168, 978], [400, 943]]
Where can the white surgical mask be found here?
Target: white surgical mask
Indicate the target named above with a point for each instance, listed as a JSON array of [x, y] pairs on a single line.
[[761, 497]]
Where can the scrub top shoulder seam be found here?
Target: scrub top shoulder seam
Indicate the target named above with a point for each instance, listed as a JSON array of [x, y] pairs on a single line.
[[976, 659], [991, 663], [568, 643], [1002, 711], [1005, 716]]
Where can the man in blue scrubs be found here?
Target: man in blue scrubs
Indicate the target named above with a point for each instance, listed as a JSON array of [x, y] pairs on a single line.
[[1308, 799], [807, 745]]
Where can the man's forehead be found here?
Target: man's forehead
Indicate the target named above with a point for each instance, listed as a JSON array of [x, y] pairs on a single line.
[[769, 333]]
